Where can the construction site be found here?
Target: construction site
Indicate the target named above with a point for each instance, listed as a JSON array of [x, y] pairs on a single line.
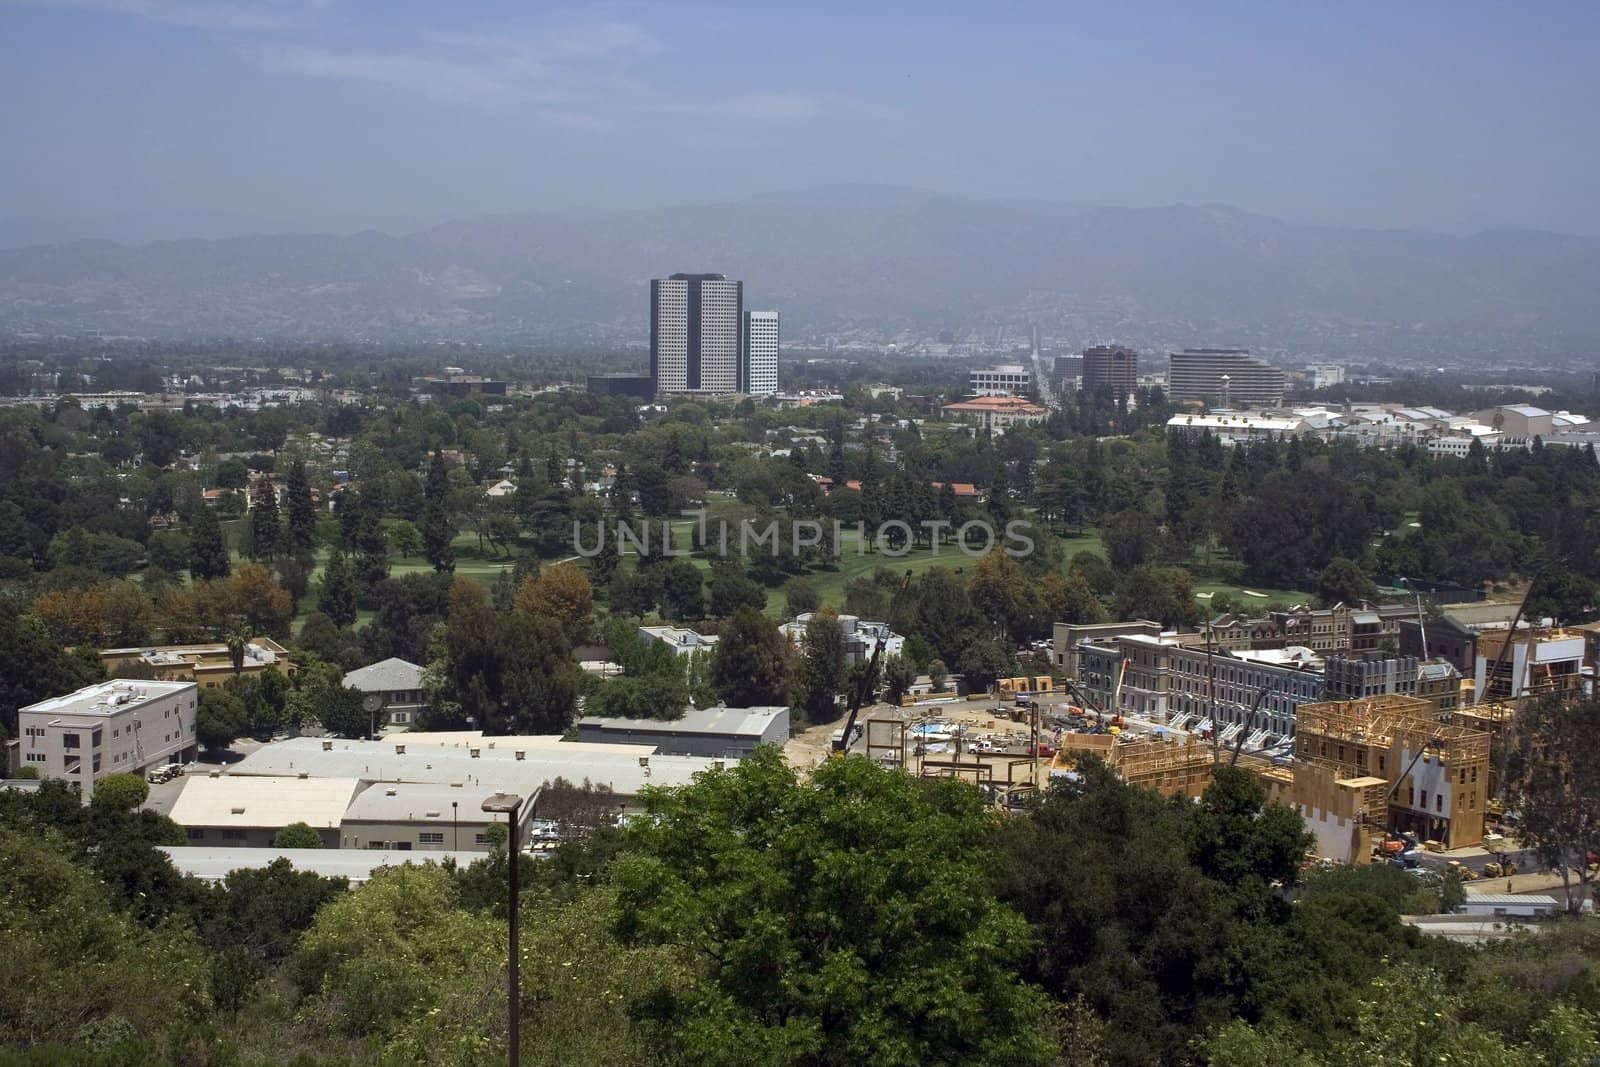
[[1362, 769]]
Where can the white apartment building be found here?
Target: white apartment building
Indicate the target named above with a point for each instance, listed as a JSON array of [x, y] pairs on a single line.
[[695, 324], [109, 728], [680, 639], [1008, 379], [760, 353], [861, 636], [1324, 375]]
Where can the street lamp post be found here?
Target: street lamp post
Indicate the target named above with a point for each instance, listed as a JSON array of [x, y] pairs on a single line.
[[510, 804]]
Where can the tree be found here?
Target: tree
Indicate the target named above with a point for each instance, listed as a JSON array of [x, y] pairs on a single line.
[[302, 509], [1555, 783], [438, 523], [208, 554], [1165, 594], [800, 597], [561, 592], [219, 719], [337, 598], [652, 696], [982, 661], [899, 674], [732, 588], [1344, 582], [604, 563], [297, 835], [803, 958], [1004, 595], [404, 539], [822, 667], [507, 673], [1070, 599], [938, 673], [77, 967], [322, 697], [682, 596], [1130, 538], [34, 666], [265, 529], [263, 605], [751, 663], [120, 792]]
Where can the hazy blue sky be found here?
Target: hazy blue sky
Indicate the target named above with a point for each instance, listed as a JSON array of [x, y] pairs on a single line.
[[153, 117]]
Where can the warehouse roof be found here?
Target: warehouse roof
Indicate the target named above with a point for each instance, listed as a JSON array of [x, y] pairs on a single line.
[[1524, 900], [397, 802], [617, 767], [357, 864], [470, 739], [719, 722], [248, 802]]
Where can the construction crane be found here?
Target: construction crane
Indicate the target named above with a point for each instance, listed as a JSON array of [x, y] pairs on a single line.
[[864, 683]]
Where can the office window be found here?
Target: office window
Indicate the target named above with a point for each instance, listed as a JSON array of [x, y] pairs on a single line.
[[233, 835], [430, 837], [196, 834], [1438, 802], [480, 839], [69, 740]]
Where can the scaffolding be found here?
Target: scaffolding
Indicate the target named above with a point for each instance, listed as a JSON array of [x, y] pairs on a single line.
[[1398, 740], [1171, 768]]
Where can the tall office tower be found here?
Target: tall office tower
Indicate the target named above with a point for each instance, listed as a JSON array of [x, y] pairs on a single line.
[[1204, 373], [758, 371], [694, 333], [1111, 368]]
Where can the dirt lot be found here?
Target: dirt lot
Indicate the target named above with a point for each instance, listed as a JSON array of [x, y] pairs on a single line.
[[811, 746]]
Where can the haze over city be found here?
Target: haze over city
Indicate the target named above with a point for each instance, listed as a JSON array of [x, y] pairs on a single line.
[[141, 120]]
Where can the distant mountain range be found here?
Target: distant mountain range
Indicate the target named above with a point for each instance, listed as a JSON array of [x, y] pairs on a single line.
[[852, 262]]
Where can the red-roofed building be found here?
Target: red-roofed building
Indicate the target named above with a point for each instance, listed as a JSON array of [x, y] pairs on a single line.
[[997, 412]]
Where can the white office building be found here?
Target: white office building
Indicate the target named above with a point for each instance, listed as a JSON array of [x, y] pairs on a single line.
[[109, 728], [695, 322], [760, 353], [1324, 375], [1008, 379]]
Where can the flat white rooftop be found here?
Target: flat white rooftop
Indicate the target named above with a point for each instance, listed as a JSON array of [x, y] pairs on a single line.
[[406, 802], [715, 722], [617, 767], [470, 739], [106, 698], [242, 802], [212, 864]]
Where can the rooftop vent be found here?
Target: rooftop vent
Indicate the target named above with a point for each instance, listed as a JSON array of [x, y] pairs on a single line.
[[236, 811], [399, 750], [327, 746], [475, 753], [302, 775], [389, 792], [521, 754]]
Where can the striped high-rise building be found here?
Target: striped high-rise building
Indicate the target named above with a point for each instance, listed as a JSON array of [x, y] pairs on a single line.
[[695, 339], [1223, 377], [1111, 369], [759, 367]]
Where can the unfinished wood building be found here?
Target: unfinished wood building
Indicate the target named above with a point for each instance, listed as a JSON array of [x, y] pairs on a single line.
[[1435, 776]]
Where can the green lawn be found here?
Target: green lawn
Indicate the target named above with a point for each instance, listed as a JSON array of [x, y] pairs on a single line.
[[830, 583], [1253, 603]]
